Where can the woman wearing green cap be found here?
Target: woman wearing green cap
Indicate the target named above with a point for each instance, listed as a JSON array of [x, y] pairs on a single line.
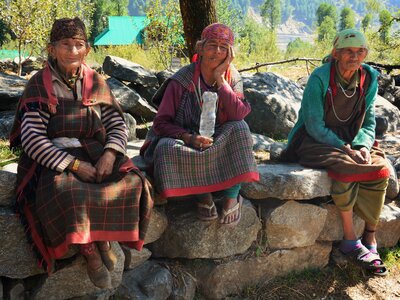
[[336, 130]]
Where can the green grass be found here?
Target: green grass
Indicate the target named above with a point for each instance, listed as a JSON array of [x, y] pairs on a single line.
[[6, 155]]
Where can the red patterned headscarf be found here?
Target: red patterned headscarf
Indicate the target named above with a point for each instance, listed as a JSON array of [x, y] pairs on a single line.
[[218, 31]]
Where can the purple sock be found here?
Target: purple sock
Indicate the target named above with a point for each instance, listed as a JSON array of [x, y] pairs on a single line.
[[347, 246]]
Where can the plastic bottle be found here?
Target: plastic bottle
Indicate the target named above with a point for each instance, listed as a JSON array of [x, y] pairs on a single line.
[[207, 118]]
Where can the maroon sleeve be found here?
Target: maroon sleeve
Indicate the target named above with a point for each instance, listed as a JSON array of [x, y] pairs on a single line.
[[232, 105], [163, 124]]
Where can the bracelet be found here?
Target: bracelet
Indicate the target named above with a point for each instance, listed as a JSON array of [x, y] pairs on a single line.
[[76, 164]]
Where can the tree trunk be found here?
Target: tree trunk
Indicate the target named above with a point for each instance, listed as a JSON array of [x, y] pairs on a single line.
[[196, 15]]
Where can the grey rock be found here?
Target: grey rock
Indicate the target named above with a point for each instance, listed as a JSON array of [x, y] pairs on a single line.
[[15, 248], [73, 281], [131, 101], [188, 237], [333, 229], [382, 125], [388, 231], [218, 280], [6, 122], [146, 92], [134, 258], [1, 290], [288, 181], [391, 113], [385, 81], [126, 70], [184, 287], [147, 281], [273, 98], [131, 124], [163, 75], [392, 190], [17, 291], [263, 143], [294, 225], [12, 168], [7, 187], [11, 89], [157, 226]]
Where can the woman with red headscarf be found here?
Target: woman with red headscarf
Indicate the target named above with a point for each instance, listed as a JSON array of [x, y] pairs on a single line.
[[187, 163]]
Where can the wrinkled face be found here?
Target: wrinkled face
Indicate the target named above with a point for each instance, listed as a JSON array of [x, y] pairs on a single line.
[[214, 52], [69, 53], [350, 59]]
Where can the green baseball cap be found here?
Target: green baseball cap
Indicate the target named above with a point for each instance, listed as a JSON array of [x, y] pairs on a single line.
[[349, 38]]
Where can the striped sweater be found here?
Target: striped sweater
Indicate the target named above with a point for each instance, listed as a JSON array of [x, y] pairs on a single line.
[[40, 148]]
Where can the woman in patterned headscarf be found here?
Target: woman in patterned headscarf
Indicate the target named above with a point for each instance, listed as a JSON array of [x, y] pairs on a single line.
[[336, 131], [75, 186], [186, 163]]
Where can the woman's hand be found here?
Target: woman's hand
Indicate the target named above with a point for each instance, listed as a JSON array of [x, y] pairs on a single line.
[[219, 71], [86, 172], [197, 141], [105, 164], [361, 156]]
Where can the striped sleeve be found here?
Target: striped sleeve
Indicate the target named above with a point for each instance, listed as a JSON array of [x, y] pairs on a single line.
[[117, 132], [36, 143]]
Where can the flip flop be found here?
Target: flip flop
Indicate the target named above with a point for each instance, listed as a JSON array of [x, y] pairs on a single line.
[[367, 260], [210, 208], [237, 207]]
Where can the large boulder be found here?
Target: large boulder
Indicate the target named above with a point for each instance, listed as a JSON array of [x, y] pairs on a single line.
[[188, 237], [11, 89], [294, 225], [388, 231], [131, 101], [126, 70], [219, 279], [7, 187], [385, 109], [288, 181], [149, 281], [6, 122], [273, 98]]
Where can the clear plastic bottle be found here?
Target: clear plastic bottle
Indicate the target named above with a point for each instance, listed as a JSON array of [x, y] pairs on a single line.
[[207, 118]]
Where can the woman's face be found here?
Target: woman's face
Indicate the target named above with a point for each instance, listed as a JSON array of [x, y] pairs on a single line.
[[214, 52], [350, 59], [69, 53]]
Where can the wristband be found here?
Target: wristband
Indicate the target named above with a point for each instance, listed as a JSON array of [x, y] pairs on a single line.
[[76, 164]]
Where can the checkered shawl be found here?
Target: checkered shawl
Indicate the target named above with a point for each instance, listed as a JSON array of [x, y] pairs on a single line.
[[181, 170], [58, 209]]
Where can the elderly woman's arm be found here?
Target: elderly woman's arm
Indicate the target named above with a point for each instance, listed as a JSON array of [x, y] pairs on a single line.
[[312, 110], [36, 143], [231, 104]]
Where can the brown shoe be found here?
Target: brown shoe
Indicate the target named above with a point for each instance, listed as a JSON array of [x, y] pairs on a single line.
[[100, 277], [108, 257]]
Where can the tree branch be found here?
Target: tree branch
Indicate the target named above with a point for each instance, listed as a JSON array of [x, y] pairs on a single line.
[[258, 65]]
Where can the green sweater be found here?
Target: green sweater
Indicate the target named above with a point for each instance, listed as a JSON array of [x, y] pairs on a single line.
[[311, 113]]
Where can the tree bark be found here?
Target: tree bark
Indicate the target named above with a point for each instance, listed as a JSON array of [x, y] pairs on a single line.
[[196, 15]]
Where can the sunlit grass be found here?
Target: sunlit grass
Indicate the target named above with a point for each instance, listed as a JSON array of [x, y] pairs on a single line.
[[6, 154]]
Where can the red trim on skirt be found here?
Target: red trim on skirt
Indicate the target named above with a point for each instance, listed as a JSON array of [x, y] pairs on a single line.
[[382, 173], [246, 177]]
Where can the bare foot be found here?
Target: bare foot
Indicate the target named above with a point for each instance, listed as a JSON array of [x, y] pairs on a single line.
[[232, 211]]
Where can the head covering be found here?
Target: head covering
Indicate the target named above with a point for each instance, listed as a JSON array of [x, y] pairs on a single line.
[[218, 31], [349, 38], [68, 28]]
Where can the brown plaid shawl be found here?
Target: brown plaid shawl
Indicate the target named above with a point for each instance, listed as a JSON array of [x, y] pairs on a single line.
[[58, 209], [181, 170]]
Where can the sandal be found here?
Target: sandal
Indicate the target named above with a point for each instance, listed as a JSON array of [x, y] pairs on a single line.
[[367, 260], [371, 248], [234, 209], [211, 211], [108, 257]]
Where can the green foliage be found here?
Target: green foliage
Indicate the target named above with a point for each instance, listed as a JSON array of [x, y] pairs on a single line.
[[347, 18], [327, 29], [270, 10], [164, 31], [366, 21], [298, 48], [30, 21], [255, 44], [326, 10], [229, 14], [6, 154], [385, 18], [4, 33]]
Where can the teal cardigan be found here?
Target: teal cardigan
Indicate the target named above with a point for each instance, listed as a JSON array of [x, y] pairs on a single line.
[[311, 113]]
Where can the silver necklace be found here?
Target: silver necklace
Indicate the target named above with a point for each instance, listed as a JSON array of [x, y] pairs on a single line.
[[334, 111], [344, 91]]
